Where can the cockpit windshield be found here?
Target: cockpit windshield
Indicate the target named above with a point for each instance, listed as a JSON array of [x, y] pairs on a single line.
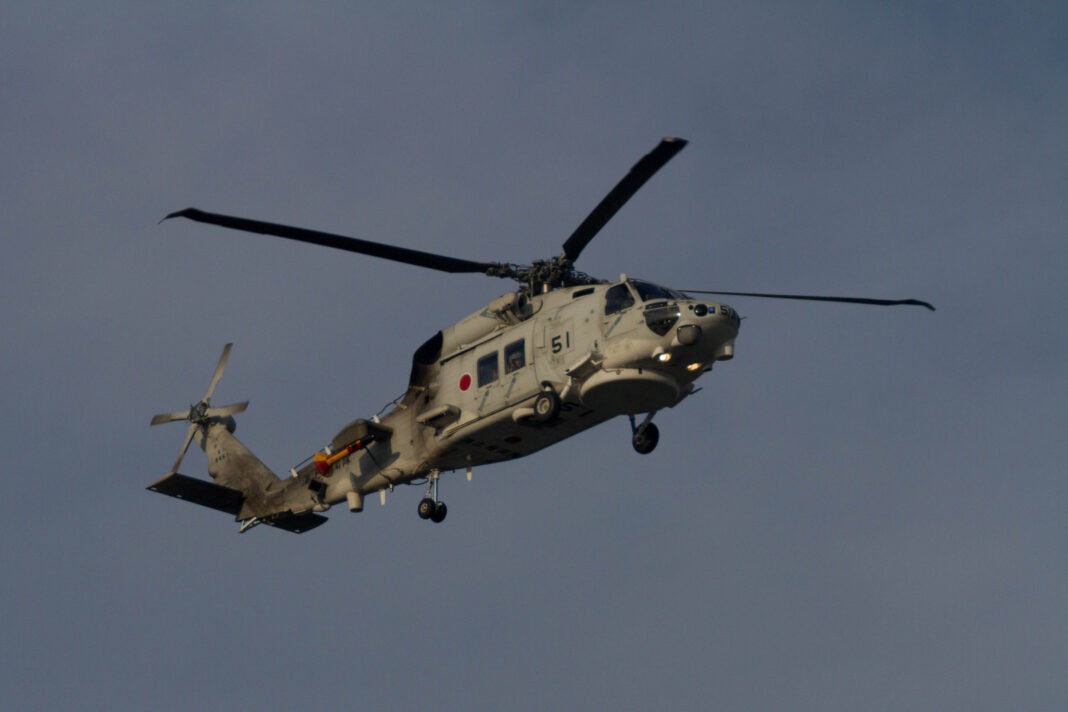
[[648, 291]]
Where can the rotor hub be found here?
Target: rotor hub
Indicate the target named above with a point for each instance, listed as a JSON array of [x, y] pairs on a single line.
[[546, 275], [198, 413]]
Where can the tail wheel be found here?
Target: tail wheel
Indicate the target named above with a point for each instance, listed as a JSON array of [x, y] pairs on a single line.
[[546, 407]]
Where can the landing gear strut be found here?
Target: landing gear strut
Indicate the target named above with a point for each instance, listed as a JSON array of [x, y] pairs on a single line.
[[645, 436], [430, 507]]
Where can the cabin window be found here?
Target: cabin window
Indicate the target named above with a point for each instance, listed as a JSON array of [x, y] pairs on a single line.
[[617, 299], [582, 293], [515, 356], [487, 369]]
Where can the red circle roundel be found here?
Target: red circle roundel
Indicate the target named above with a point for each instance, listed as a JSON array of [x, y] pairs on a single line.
[[465, 381]]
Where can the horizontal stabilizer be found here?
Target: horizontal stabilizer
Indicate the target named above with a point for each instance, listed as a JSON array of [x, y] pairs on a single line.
[[297, 523], [200, 492]]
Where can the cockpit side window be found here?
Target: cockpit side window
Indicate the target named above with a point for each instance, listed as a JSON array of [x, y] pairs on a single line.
[[617, 298], [514, 356]]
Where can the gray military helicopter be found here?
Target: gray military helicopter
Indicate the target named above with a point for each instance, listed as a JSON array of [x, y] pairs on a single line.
[[562, 353]]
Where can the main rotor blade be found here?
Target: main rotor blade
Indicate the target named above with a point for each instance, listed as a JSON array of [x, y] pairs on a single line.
[[168, 417], [218, 372], [642, 171], [185, 446], [847, 300], [352, 244], [225, 410]]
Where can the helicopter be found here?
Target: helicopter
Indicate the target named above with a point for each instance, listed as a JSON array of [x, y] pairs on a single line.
[[558, 355]]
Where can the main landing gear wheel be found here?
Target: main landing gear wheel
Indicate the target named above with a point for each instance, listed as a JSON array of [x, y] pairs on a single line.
[[546, 407], [427, 508], [430, 507], [645, 438]]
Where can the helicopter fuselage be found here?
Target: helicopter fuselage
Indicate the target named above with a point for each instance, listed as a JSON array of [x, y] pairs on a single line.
[[601, 350]]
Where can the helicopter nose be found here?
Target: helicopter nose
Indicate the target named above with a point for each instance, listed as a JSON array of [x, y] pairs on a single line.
[[714, 316], [723, 318], [723, 311], [710, 331]]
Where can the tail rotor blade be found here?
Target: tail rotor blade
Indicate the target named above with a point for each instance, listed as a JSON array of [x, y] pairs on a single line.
[[168, 417], [224, 410], [185, 446], [218, 372]]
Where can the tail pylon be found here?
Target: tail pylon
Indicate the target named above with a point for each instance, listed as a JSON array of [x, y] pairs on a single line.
[[243, 486]]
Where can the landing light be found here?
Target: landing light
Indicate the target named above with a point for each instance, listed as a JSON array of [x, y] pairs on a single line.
[[663, 358], [694, 366]]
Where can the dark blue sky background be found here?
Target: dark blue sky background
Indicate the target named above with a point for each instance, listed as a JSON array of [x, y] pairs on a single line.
[[865, 509]]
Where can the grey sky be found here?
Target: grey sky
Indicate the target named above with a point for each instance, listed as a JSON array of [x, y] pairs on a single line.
[[865, 509]]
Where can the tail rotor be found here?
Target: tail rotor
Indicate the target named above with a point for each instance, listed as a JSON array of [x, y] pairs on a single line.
[[201, 413]]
